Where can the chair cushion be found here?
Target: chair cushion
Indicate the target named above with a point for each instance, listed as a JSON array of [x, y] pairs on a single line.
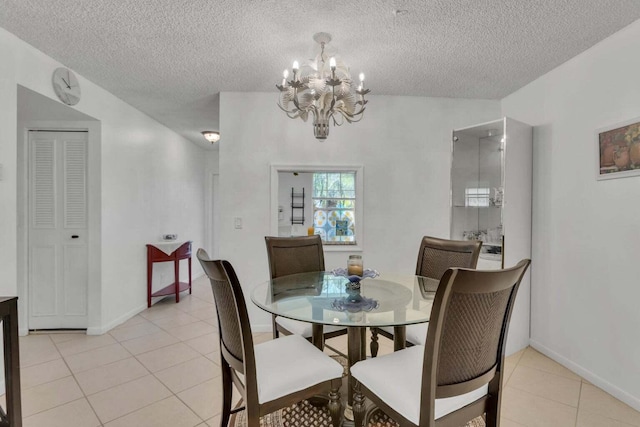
[[397, 379], [416, 334], [303, 328], [291, 364]]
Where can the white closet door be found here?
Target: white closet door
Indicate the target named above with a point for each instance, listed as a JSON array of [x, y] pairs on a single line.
[[58, 261]]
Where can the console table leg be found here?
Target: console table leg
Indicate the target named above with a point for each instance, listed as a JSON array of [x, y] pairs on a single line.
[[149, 277], [189, 275], [176, 267]]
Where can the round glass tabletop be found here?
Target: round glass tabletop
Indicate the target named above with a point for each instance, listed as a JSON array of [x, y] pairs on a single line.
[[320, 297]]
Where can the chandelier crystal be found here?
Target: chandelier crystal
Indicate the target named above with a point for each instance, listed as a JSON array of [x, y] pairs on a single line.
[[323, 89]]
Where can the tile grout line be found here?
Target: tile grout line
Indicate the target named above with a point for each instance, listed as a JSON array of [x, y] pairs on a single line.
[[85, 397], [164, 385], [583, 383], [176, 394], [554, 374], [126, 382], [579, 397]]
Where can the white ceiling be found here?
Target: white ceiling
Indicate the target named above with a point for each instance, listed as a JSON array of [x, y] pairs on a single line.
[[172, 58]]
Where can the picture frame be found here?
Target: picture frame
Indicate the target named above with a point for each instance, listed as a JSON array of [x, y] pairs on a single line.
[[618, 150]]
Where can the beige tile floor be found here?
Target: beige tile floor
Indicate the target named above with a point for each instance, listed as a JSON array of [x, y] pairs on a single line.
[[160, 368]]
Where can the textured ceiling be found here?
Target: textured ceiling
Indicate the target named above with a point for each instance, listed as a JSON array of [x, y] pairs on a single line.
[[171, 58]]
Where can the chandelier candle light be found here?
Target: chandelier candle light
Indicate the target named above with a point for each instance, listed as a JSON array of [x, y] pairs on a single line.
[[322, 88]]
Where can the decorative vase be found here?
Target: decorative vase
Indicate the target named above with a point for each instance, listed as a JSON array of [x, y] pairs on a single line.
[[607, 155], [634, 153], [621, 158]]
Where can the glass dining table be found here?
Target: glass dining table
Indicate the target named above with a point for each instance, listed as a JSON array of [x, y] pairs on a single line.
[[322, 298]]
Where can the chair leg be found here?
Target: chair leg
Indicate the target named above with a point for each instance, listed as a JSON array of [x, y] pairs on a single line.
[[358, 406], [335, 408], [374, 342], [252, 420], [492, 415], [317, 337], [227, 392], [274, 327]]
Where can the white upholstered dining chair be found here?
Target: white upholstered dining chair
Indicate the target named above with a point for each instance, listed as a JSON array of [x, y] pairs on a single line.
[[292, 255], [435, 256], [457, 375], [270, 375]]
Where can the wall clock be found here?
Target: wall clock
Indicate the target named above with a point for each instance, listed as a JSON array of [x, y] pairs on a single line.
[[66, 86]]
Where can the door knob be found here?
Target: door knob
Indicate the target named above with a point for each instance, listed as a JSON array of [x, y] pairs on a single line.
[[75, 236]]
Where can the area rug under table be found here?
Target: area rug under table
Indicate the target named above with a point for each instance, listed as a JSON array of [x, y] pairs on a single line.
[[303, 414]]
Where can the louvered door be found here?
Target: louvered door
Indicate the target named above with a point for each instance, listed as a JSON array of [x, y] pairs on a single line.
[[58, 261]]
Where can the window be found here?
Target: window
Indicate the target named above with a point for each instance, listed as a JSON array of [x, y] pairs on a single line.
[[333, 192], [334, 204], [476, 197]]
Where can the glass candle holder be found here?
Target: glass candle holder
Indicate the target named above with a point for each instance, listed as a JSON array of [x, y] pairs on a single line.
[[354, 265]]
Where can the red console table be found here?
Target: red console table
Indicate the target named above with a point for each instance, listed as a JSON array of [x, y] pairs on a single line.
[[157, 255]]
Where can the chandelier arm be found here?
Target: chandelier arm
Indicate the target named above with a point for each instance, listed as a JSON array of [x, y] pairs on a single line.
[[295, 99], [352, 118], [359, 117], [336, 122], [287, 111]]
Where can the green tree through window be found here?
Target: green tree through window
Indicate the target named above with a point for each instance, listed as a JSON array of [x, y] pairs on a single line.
[[334, 200]]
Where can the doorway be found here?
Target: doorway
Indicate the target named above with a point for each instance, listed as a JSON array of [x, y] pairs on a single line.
[[37, 112], [57, 229]]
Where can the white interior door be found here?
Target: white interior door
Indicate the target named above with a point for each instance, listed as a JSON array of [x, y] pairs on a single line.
[[58, 259]]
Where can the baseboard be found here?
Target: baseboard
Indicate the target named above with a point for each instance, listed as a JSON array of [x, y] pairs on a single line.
[[99, 330], [95, 330], [594, 379], [23, 332]]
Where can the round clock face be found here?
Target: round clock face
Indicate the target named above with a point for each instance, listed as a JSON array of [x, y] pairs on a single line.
[[66, 86]]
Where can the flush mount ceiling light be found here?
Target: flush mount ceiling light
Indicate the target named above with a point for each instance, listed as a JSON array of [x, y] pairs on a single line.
[[211, 136], [323, 88]]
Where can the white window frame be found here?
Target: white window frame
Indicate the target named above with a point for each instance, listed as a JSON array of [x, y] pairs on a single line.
[[477, 197], [359, 206]]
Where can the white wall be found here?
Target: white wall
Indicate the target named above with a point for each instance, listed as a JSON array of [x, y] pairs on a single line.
[[287, 181], [152, 182], [403, 144], [212, 204], [586, 234]]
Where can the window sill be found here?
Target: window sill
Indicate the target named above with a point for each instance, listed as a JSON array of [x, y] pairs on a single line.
[[341, 248]]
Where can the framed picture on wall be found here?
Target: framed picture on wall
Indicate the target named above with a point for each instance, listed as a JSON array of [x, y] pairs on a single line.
[[618, 150]]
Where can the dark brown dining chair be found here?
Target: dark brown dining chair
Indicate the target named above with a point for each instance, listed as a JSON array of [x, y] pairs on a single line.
[[457, 375], [270, 375], [292, 255], [434, 258]]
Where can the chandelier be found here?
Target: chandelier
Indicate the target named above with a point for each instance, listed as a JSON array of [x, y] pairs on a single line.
[[324, 89]]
